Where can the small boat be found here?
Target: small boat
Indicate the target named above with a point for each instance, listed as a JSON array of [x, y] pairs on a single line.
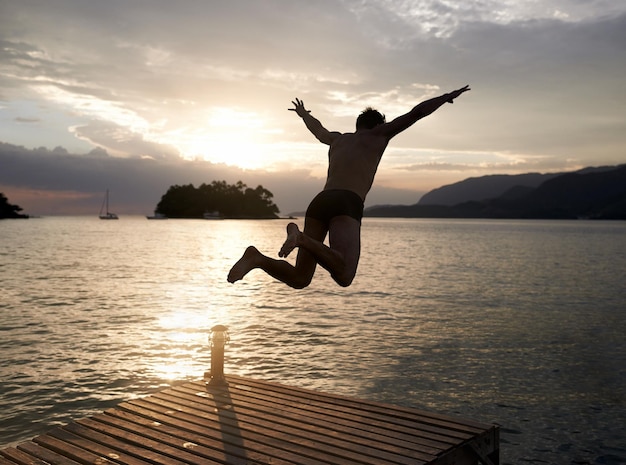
[[107, 215], [214, 215], [157, 216]]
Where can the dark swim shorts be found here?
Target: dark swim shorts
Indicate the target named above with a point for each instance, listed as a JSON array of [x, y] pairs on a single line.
[[335, 202]]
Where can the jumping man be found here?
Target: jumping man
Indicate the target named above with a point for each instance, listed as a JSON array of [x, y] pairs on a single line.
[[353, 159]]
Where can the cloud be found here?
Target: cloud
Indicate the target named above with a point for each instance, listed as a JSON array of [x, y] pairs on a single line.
[[120, 141], [46, 181]]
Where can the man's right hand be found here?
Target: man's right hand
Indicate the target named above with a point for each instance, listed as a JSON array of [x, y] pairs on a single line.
[[299, 108]]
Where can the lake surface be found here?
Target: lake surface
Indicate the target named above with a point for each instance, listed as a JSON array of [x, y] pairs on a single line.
[[519, 323]]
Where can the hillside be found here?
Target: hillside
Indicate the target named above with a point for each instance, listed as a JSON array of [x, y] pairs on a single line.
[[597, 193], [482, 188]]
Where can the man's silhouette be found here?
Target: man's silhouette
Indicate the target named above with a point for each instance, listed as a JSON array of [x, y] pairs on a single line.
[[353, 159]]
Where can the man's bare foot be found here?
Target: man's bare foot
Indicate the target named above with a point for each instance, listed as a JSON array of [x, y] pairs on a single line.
[[246, 263], [292, 241]]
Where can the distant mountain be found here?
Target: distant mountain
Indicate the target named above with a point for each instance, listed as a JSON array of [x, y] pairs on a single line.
[[482, 188], [586, 194], [492, 186], [598, 193]]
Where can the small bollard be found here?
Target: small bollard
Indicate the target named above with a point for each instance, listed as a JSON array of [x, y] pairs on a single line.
[[218, 339]]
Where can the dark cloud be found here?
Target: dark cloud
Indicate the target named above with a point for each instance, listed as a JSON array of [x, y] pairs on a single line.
[[137, 184]]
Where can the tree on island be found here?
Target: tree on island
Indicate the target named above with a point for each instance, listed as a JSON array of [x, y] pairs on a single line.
[[9, 211], [231, 201]]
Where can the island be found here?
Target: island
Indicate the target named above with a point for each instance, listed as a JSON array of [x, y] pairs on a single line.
[[217, 200], [8, 210]]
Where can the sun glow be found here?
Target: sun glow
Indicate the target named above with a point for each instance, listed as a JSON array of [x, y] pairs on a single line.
[[228, 136], [218, 135], [230, 148]]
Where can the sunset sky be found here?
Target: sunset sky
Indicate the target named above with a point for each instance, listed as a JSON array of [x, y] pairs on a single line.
[[139, 95]]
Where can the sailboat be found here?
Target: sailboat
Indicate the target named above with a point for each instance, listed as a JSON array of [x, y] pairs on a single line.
[[105, 206]]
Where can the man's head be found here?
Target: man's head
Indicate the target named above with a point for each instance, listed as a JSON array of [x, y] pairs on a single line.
[[369, 119]]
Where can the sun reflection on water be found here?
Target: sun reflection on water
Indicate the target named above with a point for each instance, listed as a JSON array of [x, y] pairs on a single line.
[[176, 371], [179, 346]]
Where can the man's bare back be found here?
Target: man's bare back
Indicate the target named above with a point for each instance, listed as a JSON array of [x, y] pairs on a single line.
[[353, 159]]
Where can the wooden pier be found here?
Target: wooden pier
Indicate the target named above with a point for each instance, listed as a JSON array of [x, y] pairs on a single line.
[[245, 421]]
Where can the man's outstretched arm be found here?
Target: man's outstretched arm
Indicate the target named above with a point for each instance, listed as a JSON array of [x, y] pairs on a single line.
[[320, 132], [421, 110]]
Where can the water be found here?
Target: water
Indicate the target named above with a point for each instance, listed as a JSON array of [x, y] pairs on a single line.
[[519, 323]]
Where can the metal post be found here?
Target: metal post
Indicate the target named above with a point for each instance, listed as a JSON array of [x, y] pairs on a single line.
[[218, 339]]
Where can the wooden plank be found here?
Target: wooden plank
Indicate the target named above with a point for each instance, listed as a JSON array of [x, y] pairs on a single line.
[[44, 454], [367, 417], [484, 436], [5, 461], [258, 422], [258, 431], [70, 451], [20, 457], [319, 427], [120, 447], [250, 439], [359, 421], [373, 428], [184, 453], [387, 410], [283, 415], [296, 432], [218, 450], [106, 454], [228, 401], [205, 435]]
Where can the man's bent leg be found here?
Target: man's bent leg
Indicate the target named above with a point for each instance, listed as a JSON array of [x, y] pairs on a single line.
[[342, 257], [345, 239], [278, 269], [250, 260], [298, 276], [292, 241]]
